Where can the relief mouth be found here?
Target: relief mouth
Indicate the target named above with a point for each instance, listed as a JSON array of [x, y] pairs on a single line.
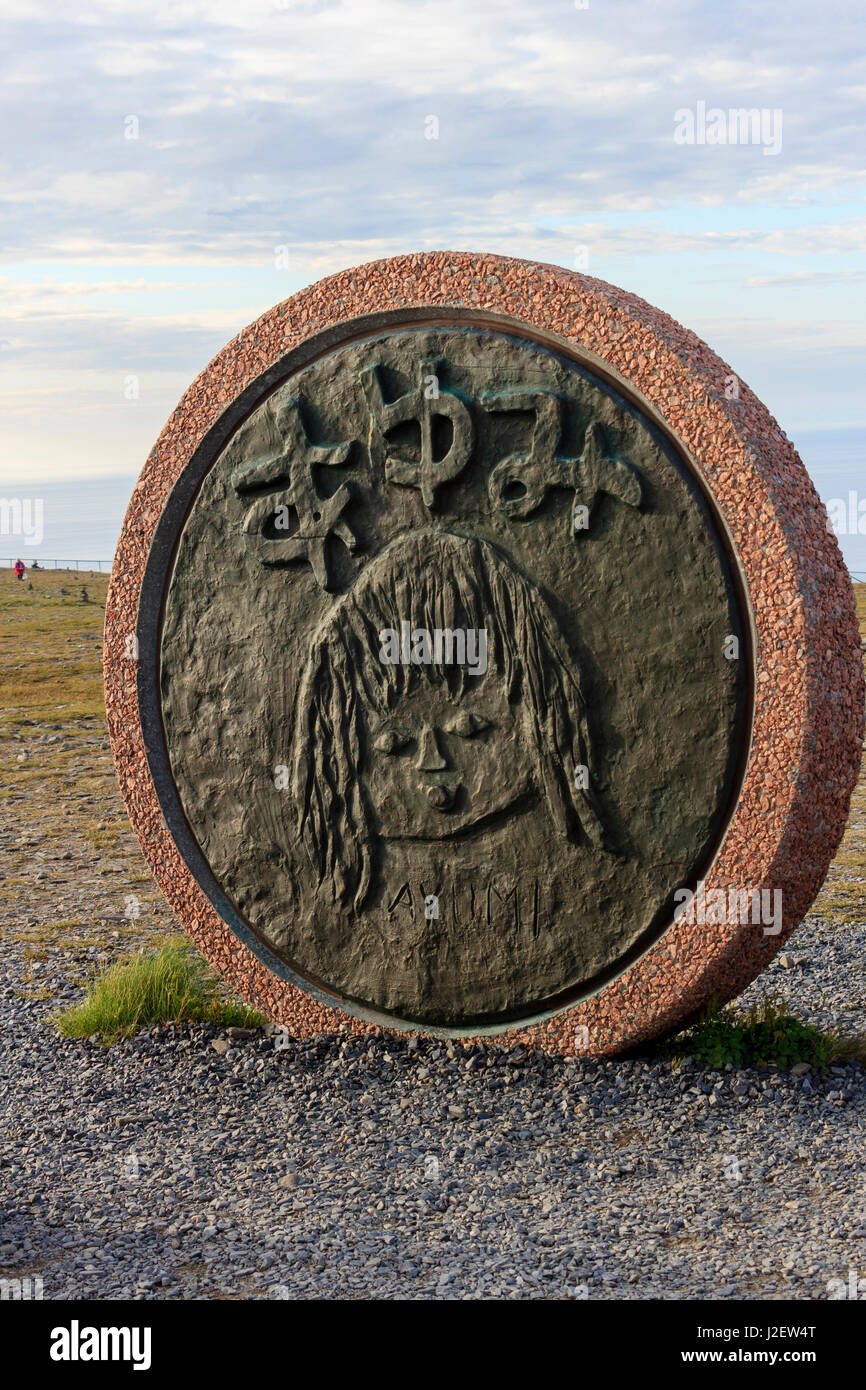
[[441, 798]]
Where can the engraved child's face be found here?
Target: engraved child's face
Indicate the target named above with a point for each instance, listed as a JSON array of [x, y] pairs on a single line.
[[442, 762]]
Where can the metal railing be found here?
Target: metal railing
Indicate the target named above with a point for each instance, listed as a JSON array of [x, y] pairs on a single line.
[[94, 566]]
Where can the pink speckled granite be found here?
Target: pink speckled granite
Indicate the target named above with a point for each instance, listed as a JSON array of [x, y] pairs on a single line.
[[808, 718]]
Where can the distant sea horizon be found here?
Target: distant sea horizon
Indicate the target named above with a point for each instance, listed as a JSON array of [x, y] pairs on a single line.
[[82, 517]]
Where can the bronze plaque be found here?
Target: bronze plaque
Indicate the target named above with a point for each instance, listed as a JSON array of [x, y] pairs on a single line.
[[449, 679]]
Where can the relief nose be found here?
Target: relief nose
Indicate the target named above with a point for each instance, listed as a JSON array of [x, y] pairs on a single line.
[[429, 757]]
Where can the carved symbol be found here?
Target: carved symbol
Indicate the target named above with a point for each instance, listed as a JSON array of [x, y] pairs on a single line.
[[425, 405], [318, 517], [520, 482], [598, 473]]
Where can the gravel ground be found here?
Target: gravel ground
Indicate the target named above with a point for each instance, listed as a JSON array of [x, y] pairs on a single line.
[[188, 1164], [193, 1165]]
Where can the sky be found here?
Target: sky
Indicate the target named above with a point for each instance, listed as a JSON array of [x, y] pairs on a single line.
[[171, 170]]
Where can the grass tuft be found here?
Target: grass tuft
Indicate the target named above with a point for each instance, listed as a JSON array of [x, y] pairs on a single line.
[[169, 984], [767, 1034]]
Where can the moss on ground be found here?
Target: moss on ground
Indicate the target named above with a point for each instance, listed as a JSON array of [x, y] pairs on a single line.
[[767, 1034]]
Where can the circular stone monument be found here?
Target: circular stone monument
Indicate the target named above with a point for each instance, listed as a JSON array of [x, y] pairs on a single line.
[[479, 660]]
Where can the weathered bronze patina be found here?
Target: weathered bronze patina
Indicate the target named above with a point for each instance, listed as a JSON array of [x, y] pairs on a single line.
[[446, 675]]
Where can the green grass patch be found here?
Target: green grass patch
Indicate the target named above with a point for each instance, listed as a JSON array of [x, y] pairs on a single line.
[[43, 672], [43, 934], [100, 839], [767, 1034], [840, 906], [169, 984]]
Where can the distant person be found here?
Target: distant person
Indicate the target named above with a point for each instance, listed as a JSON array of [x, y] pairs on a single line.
[[19, 569], [35, 565]]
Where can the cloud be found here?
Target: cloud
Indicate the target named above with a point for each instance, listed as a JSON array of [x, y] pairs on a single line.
[[101, 340], [41, 298], [305, 122], [783, 339], [821, 278]]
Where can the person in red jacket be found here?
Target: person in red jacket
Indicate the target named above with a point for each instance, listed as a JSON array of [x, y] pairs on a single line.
[[19, 569]]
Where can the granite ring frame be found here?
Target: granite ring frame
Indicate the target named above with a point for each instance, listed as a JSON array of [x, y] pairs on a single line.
[[154, 591], [294, 999]]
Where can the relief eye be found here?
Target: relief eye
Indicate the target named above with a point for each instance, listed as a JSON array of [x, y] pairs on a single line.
[[467, 725], [391, 741]]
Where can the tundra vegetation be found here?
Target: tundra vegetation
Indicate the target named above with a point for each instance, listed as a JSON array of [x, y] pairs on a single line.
[[74, 879]]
